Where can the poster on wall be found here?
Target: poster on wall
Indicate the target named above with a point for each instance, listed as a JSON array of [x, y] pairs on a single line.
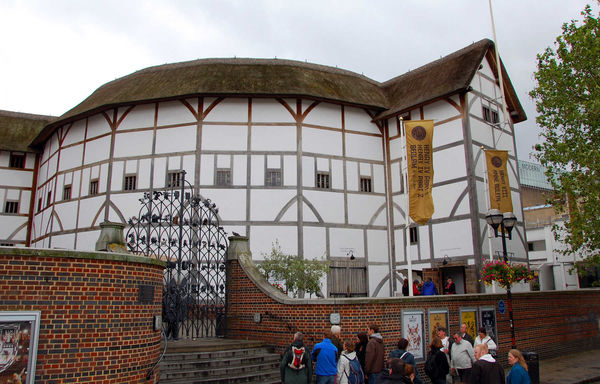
[[487, 319], [468, 316], [18, 346], [412, 330], [437, 318]]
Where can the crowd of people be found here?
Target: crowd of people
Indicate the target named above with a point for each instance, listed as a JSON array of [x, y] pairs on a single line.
[[428, 288], [460, 358]]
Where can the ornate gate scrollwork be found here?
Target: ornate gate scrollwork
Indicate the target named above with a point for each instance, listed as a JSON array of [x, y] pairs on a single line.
[[182, 229]]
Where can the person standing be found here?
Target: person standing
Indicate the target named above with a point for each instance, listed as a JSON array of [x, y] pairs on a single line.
[[518, 373], [407, 357], [396, 374], [486, 370], [450, 288], [437, 362], [374, 356], [325, 356], [465, 335], [296, 367], [361, 348], [483, 338], [343, 367], [429, 288], [336, 331], [462, 358]]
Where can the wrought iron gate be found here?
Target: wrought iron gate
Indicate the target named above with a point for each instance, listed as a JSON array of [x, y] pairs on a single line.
[[181, 228]]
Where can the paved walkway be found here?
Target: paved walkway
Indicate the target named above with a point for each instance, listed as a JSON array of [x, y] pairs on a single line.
[[578, 368]]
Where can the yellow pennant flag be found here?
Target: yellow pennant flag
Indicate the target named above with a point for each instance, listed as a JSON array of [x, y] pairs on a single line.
[[498, 180], [419, 155]]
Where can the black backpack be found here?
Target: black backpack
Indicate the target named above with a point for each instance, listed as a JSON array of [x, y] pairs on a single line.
[[431, 369]]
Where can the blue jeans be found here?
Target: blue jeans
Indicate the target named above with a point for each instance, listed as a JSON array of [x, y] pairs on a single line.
[[325, 379], [373, 377]]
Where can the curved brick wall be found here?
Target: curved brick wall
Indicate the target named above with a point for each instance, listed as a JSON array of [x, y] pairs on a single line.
[[93, 327], [550, 323]]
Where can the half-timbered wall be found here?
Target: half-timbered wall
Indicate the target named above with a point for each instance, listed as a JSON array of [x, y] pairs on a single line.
[[16, 181]]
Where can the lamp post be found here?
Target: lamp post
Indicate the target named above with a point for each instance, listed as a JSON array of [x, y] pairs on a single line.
[[506, 221]]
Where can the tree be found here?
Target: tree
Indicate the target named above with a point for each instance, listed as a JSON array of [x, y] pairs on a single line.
[[297, 275], [567, 98]]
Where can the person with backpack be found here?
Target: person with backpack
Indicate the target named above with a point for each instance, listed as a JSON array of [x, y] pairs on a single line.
[[349, 370], [296, 366], [436, 365], [407, 357], [325, 356], [397, 373]]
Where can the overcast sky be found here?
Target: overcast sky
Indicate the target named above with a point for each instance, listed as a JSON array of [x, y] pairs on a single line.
[[56, 53]]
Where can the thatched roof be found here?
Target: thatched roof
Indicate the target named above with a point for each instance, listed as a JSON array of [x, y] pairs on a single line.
[[17, 130], [449, 75], [286, 78]]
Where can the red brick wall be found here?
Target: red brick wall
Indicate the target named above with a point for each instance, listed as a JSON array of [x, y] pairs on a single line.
[[93, 327], [549, 323]]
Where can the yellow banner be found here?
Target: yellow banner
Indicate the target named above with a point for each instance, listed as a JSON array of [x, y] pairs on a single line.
[[419, 154], [500, 197]]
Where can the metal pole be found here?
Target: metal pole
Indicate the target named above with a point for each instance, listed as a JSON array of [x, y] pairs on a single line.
[[508, 292]]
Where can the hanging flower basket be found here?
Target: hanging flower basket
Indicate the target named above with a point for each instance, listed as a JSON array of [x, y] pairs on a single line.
[[505, 274]]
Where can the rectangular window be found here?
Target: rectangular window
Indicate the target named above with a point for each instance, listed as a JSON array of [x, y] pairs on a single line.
[[7, 244], [223, 176], [487, 114], [130, 183], [48, 198], [11, 207], [39, 204], [67, 192], [365, 184], [174, 179], [495, 117], [414, 235], [94, 187], [273, 178], [322, 180], [17, 160]]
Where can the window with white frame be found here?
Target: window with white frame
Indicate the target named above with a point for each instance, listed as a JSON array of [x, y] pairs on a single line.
[[322, 180]]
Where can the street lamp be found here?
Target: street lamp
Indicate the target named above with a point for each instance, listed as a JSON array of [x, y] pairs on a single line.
[[506, 221]]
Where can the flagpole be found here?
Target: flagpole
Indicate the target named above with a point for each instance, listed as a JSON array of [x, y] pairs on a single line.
[[499, 66], [487, 200], [407, 207]]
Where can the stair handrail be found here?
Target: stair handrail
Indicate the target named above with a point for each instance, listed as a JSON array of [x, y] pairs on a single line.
[[151, 371]]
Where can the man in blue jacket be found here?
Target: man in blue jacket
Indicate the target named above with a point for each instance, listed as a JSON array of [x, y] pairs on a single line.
[[325, 356]]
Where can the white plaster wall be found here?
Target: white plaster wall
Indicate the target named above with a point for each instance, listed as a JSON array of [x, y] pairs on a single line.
[[447, 133], [273, 138], [330, 205], [453, 238], [396, 176], [224, 137], [446, 196], [67, 212], [315, 243], [270, 110], [356, 119], [308, 171], [377, 274], [424, 250], [133, 144], [16, 178], [66, 241], [143, 177], [324, 114], [141, 116], [180, 139], [364, 147], [257, 170], [76, 133], [362, 208], [88, 209], [207, 169], [86, 240], [262, 238], [70, 157], [231, 202], [440, 110], [174, 112], [337, 174], [340, 239], [449, 164], [321, 141], [128, 203], [229, 110], [377, 246], [290, 170], [266, 204], [378, 178], [24, 202], [97, 150], [53, 164], [239, 170], [352, 176], [9, 223], [117, 176], [97, 125]]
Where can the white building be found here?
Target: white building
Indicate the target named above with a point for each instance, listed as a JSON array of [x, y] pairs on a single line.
[[306, 154]]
